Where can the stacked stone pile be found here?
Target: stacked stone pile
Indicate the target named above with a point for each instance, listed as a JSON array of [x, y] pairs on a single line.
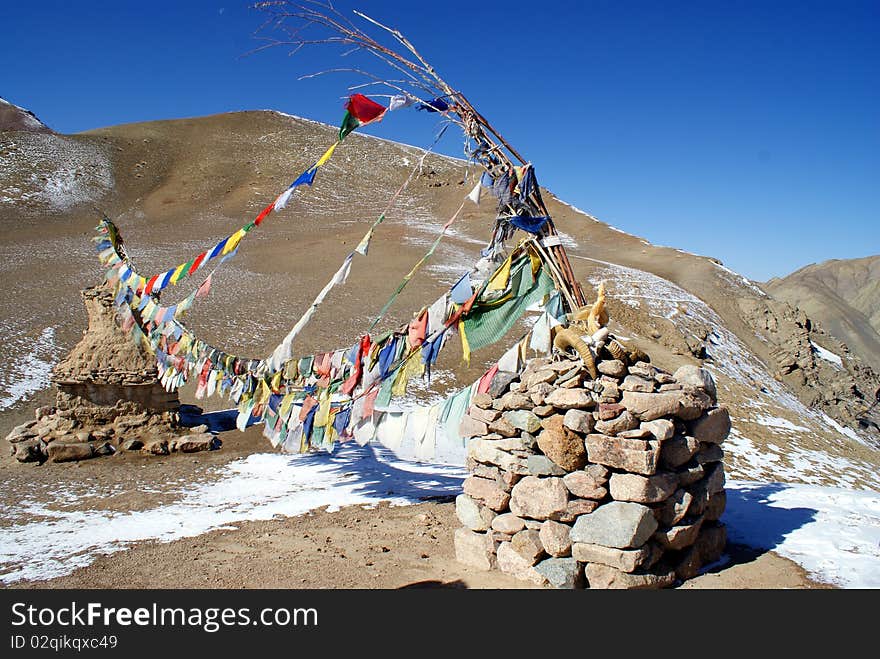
[[613, 482], [109, 398]]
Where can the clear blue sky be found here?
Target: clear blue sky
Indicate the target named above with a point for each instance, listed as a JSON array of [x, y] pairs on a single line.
[[748, 131]]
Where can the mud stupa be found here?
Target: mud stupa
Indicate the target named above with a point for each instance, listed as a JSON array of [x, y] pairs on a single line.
[[109, 398]]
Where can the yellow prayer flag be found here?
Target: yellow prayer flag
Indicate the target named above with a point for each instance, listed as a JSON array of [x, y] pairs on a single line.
[[327, 155], [499, 279], [233, 241], [465, 346]]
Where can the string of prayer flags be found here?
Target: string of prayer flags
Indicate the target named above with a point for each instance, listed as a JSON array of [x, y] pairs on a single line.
[[360, 111]]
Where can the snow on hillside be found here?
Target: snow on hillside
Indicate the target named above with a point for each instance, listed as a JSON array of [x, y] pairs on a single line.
[[775, 436], [62, 171]]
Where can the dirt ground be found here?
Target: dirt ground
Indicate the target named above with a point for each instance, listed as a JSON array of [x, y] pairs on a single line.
[[384, 547]]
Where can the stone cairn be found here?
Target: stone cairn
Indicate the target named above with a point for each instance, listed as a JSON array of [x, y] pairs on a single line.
[[109, 398], [612, 482]]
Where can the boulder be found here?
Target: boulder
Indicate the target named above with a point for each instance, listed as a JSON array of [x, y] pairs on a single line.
[[678, 537], [487, 492], [608, 411], [475, 549], [508, 523], [677, 451], [699, 378], [156, 447], [710, 453], [617, 524], [694, 402], [713, 427], [514, 400], [643, 489], [561, 572], [613, 367], [711, 542], [583, 484], [715, 507], [555, 538], [633, 455], [575, 508], [579, 421], [561, 445], [636, 383], [541, 465], [538, 498], [527, 543], [131, 445], [523, 420], [500, 383], [30, 450], [483, 401], [503, 427], [196, 443], [510, 562], [661, 429], [480, 414], [567, 399], [471, 514], [69, 452]]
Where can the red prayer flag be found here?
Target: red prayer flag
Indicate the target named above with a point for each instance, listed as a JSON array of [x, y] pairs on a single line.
[[363, 109]]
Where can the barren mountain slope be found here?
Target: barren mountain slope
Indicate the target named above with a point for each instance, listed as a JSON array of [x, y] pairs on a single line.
[[177, 187], [13, 117], [843, 295]]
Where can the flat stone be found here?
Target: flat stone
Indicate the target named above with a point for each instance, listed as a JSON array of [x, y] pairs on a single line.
[[543, 410], [472, 515], [487, 492], [475, 549], [625, 560], [678, 537], [643, 489], [624, 421], [607, 577], [675, 508], [661, 429], [555, 538], [538, 498], [486, 416], [541, 377], [156, 447], [515, 400], [506, 479], [564, 447], [662, 377], [579, 421], [483, 401], [636, 383], [636, 433], [631, 455], [652, 406], [200, 429], [613, 367], [565, 365], [22, 432], [500, 383], [486, 451], [700, 378], [582, 484], [508, 523], [567, 399], [642, 369], [672, 386], [104, 448], [523, 420], [713, 427], [563, 573], [503, 427], [510, 562], [608, 411], [677, 451], [471, 427], [69, 452], [575, 508], [541, 465], [617, 524]]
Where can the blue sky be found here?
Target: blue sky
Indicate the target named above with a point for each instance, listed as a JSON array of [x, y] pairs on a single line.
[[747, 131]]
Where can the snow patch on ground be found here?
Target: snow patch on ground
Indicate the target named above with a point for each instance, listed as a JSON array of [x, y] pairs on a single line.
[[833, 533], [827, 355], [31, 372], [739, 279], [779, 422], [258, 487]]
